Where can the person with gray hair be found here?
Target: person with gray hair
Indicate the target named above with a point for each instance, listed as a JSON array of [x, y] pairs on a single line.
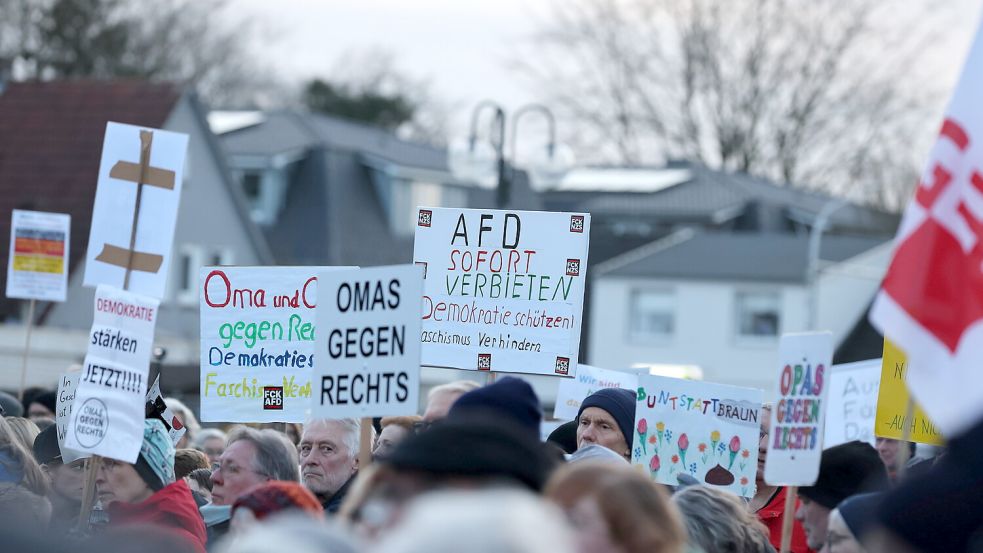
[[329, 459], [479, 521], [441, 398], [718, 521], [211, 442], [252, 457]]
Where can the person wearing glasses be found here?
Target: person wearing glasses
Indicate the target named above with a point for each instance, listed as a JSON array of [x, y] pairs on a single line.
[[145, 493], [252, 457], [66, 479]]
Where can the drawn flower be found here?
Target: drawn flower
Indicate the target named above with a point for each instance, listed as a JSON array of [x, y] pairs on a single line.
[[702, 448], [660, 428], [735, 446], [745, 453], [715, 437], [652, 440], [683, 444], [675, 459], [692, 468], [744, 480], [643, 429], [654, 464]]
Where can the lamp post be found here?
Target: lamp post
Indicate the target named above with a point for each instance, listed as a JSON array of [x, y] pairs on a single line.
[[467, 162]]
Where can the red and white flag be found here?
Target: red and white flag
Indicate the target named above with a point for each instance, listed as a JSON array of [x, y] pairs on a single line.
[[931, 301]]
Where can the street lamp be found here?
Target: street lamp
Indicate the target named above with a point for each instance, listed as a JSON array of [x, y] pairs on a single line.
[[485, 162]]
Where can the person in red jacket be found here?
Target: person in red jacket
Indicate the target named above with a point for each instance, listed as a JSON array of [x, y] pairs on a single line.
[[146, 493], [768, 502]]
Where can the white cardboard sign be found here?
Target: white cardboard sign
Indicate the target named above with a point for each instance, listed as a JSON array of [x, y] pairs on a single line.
[[368, 326], [63, 413], [38, 264], [708, 431], [503, 290], [573, 391], [120, 173], [108, 410], [257, 342], [852, 403], [795, 444]]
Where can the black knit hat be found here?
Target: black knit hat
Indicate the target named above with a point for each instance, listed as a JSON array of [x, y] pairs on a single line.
[[619, 403], [48, 399], [859, 512], [46, 446], [508, 396], [845, 470], [475, 446], [9, 406], [565, 437]]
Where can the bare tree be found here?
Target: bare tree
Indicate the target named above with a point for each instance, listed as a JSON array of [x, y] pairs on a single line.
[[195, 42], [821, 93]]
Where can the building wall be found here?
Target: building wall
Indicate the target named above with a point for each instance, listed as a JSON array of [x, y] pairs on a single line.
[[208, 224], [704, 331]]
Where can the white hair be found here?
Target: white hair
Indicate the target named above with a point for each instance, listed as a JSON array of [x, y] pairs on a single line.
[[352, 432], [205, 434], [458, 387], [483, 521]]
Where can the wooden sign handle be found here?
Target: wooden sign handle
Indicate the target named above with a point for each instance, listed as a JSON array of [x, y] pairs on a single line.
[[29, 324], [788, 519]]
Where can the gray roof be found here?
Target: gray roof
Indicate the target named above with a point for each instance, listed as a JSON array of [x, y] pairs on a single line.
[[713, 197], [752, 256]]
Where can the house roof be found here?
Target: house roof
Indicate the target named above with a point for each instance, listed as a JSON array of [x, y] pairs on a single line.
[[711, 196], [751, 256], [51, 142]]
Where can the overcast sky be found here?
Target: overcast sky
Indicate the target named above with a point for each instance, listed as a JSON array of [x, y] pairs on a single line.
[[462, 47]]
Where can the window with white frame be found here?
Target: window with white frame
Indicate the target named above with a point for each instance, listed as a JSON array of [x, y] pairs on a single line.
[[758, 314], [190, 259], [652, 314]]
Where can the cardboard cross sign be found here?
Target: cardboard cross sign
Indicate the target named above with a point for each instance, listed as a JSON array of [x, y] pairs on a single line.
[[135, 212]]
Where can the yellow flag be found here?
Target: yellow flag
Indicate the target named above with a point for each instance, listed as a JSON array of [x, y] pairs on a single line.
[[892, 403]]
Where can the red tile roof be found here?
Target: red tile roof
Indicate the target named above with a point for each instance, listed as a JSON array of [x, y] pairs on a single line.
[[51, 141]]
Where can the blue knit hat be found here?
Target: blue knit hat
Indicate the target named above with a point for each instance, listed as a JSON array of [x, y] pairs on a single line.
[[156, 461], [509, 396], [618, 403]]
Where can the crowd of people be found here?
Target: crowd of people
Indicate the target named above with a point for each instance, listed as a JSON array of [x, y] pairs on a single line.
[[471, 475]]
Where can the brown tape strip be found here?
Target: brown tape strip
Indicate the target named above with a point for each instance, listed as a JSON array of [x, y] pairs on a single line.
[[161, 178], [120, 257]]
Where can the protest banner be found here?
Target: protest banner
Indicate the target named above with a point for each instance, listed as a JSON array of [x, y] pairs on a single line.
[[368, 324], [135, 211], [503, 290], [928, 302], [257, 342], [67, 385], [573, 391], [108, 410], [797, 419], [157, 409], [720, 422], [37, 268], [893, 401], [852, 402]]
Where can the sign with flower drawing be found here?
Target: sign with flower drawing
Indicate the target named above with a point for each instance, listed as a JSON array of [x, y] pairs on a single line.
[[708, 431]]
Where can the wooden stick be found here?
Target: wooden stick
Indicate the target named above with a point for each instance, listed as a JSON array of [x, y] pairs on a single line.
[[789, 518], [88, 491], [92, 465], [365, 444], [27, 350]]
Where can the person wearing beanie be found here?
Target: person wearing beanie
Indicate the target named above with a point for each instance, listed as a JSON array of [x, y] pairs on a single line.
[[67, 480], [844, 470], [272, 498], [42, 406], [146, 492], [510, 397], [9, 406], [606, 418], [850, 520], [565, 437]]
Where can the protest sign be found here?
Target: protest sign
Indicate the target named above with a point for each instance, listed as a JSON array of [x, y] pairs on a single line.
[[852, 402], [157, 409], [572, 391], [720, 422], [503, 290], [38, 265], [108, 410], [257, 342], [797, 419], [135, 211], [368, 324], [892, 404], [67, 385]]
